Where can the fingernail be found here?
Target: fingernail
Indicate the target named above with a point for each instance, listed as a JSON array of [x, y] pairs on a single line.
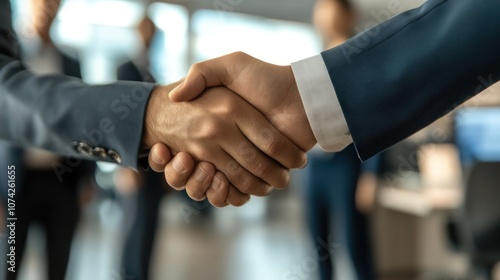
[[216, 184], [157, 159], [179, 166], [200, 174], [305, 162]]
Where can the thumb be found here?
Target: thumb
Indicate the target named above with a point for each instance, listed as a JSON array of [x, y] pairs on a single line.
[[159, 156], [202, 75], [193, 85]]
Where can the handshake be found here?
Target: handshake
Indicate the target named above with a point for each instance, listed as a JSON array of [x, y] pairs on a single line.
[[241, 132]]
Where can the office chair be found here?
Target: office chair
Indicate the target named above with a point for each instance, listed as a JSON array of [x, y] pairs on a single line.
[[481, 223]]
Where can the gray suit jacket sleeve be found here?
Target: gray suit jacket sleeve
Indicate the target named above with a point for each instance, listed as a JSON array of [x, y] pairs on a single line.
[[401, 75], [64, 115]]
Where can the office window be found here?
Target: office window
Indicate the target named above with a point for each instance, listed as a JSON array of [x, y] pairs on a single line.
[[102, 33], [217, 33], [170, 51]]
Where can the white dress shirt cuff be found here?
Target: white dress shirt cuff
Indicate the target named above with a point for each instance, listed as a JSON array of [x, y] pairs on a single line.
[[321, 104]]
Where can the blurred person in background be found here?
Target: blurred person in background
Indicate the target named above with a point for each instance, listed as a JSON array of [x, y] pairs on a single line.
[[140, 192], [138, 68], [332, 177], [48, 189], [140, 195]]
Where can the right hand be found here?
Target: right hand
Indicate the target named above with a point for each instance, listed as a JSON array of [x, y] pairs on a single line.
[[221, 128], [272, 89]]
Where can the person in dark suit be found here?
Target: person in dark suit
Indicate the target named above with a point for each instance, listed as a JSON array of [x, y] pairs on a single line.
[[121, 122], [141, 201], [332, 178], [375, 89], [138, 68]]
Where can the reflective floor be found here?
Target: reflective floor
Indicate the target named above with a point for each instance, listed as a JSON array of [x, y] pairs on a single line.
[[262, 240]]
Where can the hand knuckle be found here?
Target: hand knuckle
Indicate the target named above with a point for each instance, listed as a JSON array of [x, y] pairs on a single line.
[[275, 146], [263, 168], [252, 186], [233, 169], [197, 67], [229, 109], [211, 130], [240, 55], [246, 185]]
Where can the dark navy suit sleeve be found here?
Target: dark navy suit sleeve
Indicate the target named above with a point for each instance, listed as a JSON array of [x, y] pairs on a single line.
[[55, 112], [406, 72]]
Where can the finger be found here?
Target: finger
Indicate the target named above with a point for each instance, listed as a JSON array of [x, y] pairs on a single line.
[[256, 162], [200, 181], [259, 164], [178, 170], [158, 157], [206, 74], [218, 191], [237, 198], [269, 140], [242, 179]]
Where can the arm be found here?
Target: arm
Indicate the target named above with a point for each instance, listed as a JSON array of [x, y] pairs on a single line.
[[389, 81], [62, 114], [415, 68], [107, 122]]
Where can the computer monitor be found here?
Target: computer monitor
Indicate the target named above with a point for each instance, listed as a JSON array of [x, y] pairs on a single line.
[[478, 134]]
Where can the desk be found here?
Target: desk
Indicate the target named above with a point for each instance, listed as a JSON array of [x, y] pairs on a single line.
[[411, 217], [420, 202]]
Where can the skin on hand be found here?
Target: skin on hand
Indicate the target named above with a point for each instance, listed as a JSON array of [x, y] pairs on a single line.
[[180, 169], [221, 128], [270, 88]]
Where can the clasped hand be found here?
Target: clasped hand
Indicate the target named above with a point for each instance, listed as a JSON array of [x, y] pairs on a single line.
[[241, 132]]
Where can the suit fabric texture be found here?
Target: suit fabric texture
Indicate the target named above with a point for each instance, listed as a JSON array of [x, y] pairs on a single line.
[[62, 114], [406, 72]]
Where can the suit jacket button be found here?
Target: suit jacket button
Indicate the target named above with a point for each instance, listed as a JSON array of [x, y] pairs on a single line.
[[115, 156], [84, 149], [100, 152]]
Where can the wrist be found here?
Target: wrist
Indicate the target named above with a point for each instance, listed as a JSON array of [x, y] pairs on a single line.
[[308, 138], [156, 104]]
